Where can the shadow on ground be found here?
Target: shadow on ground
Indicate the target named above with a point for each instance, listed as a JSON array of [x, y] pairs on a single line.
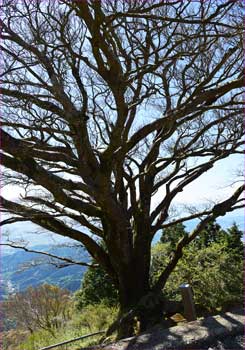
[[221, 332]]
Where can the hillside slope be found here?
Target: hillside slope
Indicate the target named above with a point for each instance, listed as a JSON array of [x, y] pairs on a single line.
[[21, 269]]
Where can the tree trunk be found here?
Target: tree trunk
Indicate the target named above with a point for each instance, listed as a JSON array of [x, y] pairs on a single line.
[[132, 287], [131, 260], [147, 310], [135, 292]]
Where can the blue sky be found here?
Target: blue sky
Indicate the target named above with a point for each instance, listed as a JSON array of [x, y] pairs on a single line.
[[215, 185]]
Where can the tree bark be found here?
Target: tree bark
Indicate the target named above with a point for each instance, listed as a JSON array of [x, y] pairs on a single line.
[[135, 292], [148, 306], [132, 287]]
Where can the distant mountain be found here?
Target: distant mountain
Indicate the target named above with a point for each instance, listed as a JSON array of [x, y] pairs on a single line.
[[27, 231], [21, 269]]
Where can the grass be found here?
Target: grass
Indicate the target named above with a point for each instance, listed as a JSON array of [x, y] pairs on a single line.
[[92, 319]]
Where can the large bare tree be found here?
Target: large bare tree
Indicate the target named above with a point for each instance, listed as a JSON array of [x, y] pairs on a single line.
[[104, 103]]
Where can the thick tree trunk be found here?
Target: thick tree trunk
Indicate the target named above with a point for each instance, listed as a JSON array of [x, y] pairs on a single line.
[[134, 292], [149, 311], [130, 254], [132, 287]]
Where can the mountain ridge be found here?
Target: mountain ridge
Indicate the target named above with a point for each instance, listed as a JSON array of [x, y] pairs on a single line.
[[21, 269]]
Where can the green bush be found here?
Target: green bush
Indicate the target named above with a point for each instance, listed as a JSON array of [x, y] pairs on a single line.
[[97, 287], [214, 273], [212, 264], [95, 317], [172, 234], [91, 319]]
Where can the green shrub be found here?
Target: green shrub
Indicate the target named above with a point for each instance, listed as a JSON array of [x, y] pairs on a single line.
[[95, 317], [91, 319], [214, 273], [97, 287]]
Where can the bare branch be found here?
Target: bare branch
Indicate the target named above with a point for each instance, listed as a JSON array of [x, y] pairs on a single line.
[[49, 255]]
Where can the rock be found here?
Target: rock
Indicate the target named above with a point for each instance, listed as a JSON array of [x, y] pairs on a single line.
[[201, 334]]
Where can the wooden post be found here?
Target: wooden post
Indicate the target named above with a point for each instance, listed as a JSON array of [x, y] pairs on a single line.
[[187, 298]]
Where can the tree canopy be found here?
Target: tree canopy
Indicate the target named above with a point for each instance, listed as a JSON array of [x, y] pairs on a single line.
[[97, 287], [173, 234], [214, 272], [104, 103]]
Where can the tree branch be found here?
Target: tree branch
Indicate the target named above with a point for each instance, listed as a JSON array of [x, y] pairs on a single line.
[[53, 256], [219, 209]]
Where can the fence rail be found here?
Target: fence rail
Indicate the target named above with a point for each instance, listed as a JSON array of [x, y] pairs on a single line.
[[71, 340]]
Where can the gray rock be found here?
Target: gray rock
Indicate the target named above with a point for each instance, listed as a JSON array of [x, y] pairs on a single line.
[[222, 332]]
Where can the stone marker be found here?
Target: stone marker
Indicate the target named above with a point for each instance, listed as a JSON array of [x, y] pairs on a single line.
[[187, 298]]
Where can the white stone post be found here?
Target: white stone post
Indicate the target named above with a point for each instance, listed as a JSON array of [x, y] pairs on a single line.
[[187, 298]]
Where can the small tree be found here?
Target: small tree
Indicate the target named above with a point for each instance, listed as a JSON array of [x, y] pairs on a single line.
[[97, 287], [234, 241], [173, 234], [212, 233], [45, 307]]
